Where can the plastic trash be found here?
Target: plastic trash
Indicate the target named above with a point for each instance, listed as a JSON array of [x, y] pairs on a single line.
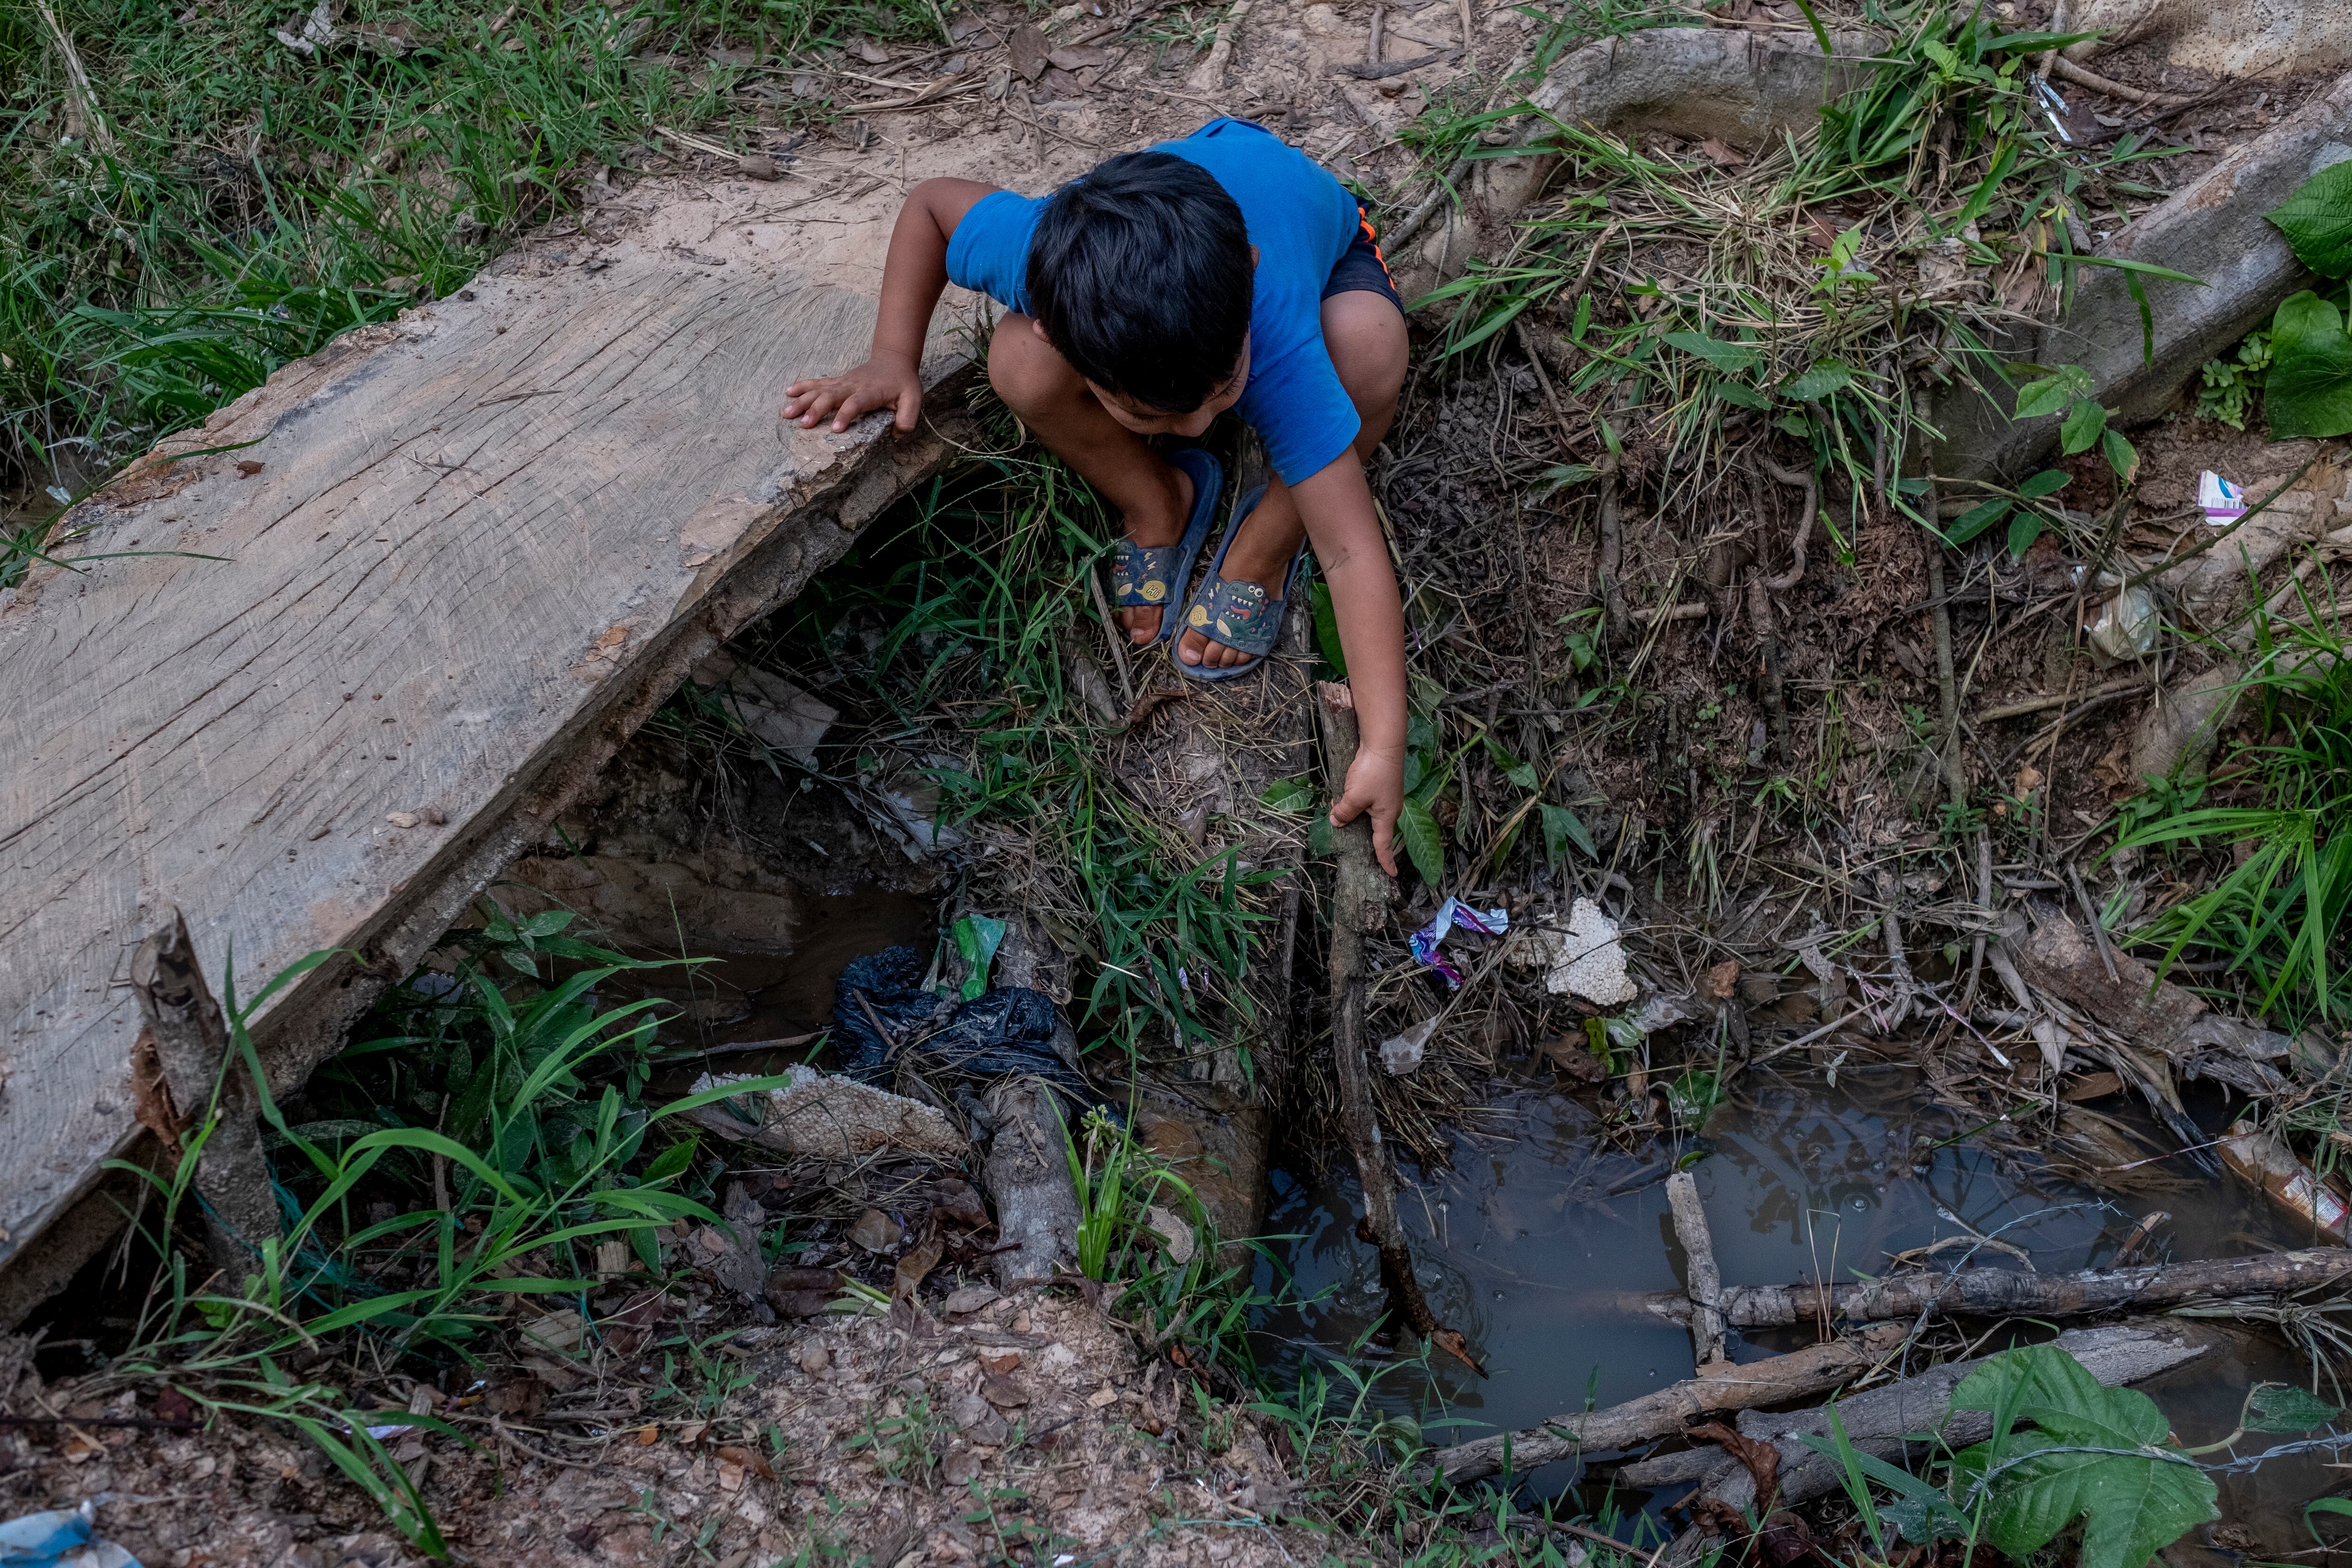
[[1400, 1054], [1003, 1032], [1589, 960], [977, 938], [2125, 626], [1426, 941], [60, 1537], [2225, 502], [2258, 1156]]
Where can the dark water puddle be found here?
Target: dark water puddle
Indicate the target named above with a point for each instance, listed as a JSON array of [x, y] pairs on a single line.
[[1541, 1240]]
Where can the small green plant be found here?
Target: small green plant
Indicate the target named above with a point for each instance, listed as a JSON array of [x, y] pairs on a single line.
[[2065, 1451], [2227, 389], [906, 1446]]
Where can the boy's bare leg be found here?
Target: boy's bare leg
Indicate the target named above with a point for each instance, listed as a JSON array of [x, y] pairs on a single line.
[[1152, 498], [1365, 334]]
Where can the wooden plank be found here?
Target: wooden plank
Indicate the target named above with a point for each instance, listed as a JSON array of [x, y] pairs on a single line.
[[479, 545]]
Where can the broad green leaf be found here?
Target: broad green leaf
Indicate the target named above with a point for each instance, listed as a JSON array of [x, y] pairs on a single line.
[[1566, 475], [2309, 389], [2083, 425], [1319, 836], [2317, 221], [2130, 1505], [1326, 629], [2121, 455], [2048, 482], [1740, 394], [1976, 520], [1288, 794], [1818, 383], [1424, 841], [2283, 1407], [1736, 358], [1562, 827], [1522, 774], [2053, 392], [977, 938], [2023, 530]]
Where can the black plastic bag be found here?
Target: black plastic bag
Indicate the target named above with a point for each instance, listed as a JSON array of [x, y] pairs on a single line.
[[1003, 1032]]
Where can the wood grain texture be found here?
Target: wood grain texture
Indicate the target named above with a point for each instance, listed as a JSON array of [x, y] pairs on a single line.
[[481, 544]]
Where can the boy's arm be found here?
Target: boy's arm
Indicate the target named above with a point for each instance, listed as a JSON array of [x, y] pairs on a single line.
[[1336, 505], [914, 274]]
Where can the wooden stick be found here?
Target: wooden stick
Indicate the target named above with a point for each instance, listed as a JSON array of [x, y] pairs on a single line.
[[1706, 1279], [1359, 901], [1797, 1375], [2002, 1292], [1211, 74], [191, 1047]]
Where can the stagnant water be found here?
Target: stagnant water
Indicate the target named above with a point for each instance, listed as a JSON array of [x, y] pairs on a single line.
[[1539, 1238]]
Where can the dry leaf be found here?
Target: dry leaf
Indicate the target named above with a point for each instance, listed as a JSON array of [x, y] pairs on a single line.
[[1452, 1342], [1029, 50], [875, 1231], [918, 1263], [1002, 1391], [750, 1459], [1722, 154], [1181, 1241], [970, 1299], [691, 1432], [1102, 1398], [1722, 980], [999, 1360], [1761, 1458]]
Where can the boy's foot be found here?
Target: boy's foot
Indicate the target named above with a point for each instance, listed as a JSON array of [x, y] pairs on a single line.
[[1142, 622], [1261, 553]]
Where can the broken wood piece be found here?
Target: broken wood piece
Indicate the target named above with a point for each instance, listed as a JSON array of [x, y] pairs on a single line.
[[1027, 1173], [1705, 1280], [1775, 1381], [208, 1093], [1359, 901], [1373, 70], [1877, 1420], [2005, 1292]]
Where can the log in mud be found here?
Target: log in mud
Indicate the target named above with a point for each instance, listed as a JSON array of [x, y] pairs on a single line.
[[2003, 1292]]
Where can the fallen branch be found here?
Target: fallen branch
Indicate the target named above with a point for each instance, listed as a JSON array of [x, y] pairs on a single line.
[[1211, 74], [1877, 1421], [1706, 1279], [2082, 75], [1375, 72], [1797, 1375], [1359, 901], [2004, 1292]]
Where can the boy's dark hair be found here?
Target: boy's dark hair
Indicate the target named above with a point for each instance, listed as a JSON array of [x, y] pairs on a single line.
[[1140, 273]]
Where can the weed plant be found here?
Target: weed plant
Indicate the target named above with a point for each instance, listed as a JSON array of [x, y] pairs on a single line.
[[2275, 804], [1782, 286], [954, 634]]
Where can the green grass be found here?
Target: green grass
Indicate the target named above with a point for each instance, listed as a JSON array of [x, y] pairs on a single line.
[[243, 204], [2272, 811], [1759, 309], [949, 633]]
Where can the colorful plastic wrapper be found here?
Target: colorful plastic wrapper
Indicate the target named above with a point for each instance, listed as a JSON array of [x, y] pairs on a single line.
[[1453, 912]]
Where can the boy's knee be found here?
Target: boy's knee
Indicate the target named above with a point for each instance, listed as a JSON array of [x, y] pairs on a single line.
[[1365, 335], [1024, 370]]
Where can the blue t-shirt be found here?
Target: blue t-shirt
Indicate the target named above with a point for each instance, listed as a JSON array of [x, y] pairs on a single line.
[[1301, 220]]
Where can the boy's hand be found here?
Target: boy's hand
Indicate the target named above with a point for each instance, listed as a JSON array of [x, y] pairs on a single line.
[[1375, 783], [882, 382]]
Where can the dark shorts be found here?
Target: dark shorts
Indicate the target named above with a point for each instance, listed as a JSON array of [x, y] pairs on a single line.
[[1361, 268]]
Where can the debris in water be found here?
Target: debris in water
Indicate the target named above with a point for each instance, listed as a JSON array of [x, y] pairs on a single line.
[[2225, 502], [1591, 960], [1400, 1054], [1452, 912], [60, 1538], [2260, 1158]]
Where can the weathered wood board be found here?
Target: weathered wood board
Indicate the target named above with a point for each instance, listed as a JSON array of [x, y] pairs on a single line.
[[451, 562]]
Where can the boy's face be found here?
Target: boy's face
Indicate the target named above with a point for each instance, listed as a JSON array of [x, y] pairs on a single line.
[[1146, 420]]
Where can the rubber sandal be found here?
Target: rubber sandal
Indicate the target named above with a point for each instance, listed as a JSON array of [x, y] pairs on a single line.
[[1151, 576], [1237, 615]]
